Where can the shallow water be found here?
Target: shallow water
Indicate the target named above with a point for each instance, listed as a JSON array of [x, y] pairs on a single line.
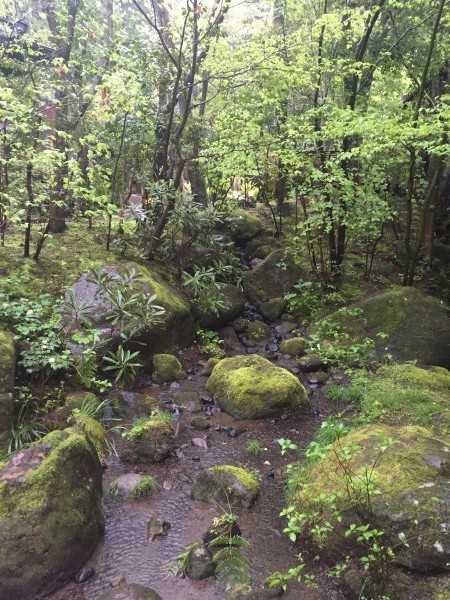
[[125, 550]]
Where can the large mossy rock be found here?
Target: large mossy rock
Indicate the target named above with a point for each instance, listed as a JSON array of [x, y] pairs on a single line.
[[242, 225], [417, 325], [269, 281], [7, 370], [177, 327], [51, 514], [226, 484], [130, 591], [412, 503], [148, 442], [251, 387], [234, 301]]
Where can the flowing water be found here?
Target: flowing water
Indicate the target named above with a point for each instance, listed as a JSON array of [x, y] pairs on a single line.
[[125, 550]]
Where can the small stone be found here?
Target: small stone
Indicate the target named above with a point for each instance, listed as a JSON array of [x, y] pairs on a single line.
[[310, 363], [199, 443], [200, 422], [175, 385], [286, 327], [117, 581], [84, 574]]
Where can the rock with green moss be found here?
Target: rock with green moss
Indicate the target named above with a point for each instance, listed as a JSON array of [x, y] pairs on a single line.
[[272, 309], [233, 300], [251, 387], [271, 279], [417, 326], [243, 591], [295, 346], [258, 331], [242, 225], [228, 485], [167, 367], [409, 466], [130, 591], [147, 442], [174, 329], [51, 514], [199, 562], [7, 370]]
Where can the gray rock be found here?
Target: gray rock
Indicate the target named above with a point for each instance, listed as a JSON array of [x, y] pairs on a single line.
[[199, 563], [188, 401]]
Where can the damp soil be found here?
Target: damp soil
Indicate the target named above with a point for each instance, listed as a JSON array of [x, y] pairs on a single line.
[[125, 550]]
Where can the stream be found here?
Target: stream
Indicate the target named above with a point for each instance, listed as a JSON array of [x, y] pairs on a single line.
[[125, 550]]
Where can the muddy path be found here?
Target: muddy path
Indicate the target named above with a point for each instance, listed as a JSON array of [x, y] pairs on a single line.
[[125, 550]]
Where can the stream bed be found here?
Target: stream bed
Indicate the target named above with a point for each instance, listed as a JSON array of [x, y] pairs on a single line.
[[125, 550]]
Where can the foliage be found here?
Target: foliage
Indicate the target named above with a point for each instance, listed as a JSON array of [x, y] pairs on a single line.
[[37, 327], [253, 447], [123, 363], [210, 343]]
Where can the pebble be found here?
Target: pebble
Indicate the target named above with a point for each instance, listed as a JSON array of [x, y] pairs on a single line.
[[84, 574], [199, 443], [116, 581]]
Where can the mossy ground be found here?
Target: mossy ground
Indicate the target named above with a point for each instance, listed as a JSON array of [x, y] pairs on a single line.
[[405, 393], [64, 258]]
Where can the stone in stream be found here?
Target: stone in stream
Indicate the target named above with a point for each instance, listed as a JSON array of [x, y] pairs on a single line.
[[200, 422], [251, 387], [157, 528], [51, 514], [258, 331], [7, 370], [126, 484], [84, 574], [226, 484], [295, 346], [166, 368], [199, 562], [130, 591], [148, 442], [188, 401], [310, 363]]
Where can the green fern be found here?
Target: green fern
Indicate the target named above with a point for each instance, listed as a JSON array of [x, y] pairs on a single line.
[[232, 566]]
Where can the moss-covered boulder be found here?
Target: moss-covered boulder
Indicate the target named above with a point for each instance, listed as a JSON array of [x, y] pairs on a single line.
[[7, 370], [167, 367], [226, 484], [242, 225], [417, 326], [270, 280], [130, 591], [174, 329], [233, 299], [147, 442], [51, 514], [258, 331], [251, 387], [295, 346], [396, 479]]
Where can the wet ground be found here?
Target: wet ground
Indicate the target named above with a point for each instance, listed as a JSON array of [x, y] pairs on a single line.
[[125, 550]]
